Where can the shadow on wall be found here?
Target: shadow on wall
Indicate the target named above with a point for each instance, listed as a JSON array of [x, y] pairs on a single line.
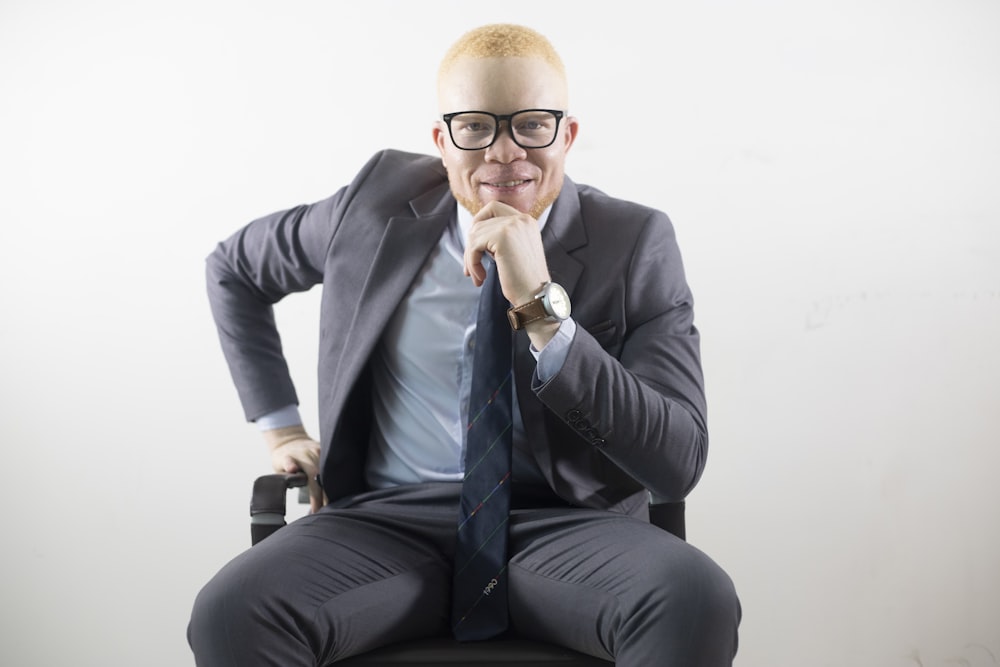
[[973, 655]]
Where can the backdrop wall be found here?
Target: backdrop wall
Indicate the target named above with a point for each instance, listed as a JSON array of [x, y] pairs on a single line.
[[832, 170]]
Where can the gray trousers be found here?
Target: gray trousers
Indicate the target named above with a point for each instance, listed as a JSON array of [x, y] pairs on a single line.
[[376, 569]]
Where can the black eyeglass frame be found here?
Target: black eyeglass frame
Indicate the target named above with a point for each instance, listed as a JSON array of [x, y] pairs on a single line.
[[499, 118]]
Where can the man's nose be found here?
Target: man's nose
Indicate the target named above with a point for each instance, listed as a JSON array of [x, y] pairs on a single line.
[[504, 148]]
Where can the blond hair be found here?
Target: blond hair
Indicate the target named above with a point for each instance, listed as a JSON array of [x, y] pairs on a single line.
[[501, 40]]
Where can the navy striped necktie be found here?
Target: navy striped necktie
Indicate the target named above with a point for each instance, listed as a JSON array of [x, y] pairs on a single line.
[[479, 596]]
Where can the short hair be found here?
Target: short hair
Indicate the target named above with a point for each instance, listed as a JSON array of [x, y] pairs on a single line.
[[501, 40]]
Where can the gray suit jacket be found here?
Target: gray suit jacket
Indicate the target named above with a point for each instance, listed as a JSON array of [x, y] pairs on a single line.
[[626, 412]]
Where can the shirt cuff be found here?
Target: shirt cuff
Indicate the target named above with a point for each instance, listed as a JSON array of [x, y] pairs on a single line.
[[550, 358], [280, 418]]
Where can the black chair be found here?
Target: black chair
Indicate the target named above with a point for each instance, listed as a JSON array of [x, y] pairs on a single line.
[[267, 514]]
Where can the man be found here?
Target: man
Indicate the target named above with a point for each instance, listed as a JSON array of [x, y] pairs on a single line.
[[609, 404]]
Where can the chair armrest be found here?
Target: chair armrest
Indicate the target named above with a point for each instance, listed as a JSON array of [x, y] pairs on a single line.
[[669, 517], [267, 503]]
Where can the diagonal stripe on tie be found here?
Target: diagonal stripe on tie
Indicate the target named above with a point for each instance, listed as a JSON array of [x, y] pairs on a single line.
[[484, 501], [485, 543]]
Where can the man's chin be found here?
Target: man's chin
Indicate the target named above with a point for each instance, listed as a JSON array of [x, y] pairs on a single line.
[[475, 205], [527, 205], [533, 208]]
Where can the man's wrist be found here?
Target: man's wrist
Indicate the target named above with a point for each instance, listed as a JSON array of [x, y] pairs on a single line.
[[279, 436], [540, 332], [280, 418], [550, 360]]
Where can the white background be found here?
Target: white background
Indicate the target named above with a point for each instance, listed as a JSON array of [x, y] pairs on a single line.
[[832, 169]]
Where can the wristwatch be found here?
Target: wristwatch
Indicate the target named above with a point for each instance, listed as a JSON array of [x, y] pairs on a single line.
[[552, 303]]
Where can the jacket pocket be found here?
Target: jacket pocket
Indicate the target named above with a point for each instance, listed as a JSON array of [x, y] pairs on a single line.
[[605, 333]]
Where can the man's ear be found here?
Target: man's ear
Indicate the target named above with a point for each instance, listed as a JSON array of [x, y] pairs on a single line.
[[439, 133], [570, 128]]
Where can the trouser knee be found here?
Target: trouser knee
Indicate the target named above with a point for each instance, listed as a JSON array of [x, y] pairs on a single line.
[[690, 604]]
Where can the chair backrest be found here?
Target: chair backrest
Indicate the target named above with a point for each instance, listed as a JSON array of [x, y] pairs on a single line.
[[669, 517]]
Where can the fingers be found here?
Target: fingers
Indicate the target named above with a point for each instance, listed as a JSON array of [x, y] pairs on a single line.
[[474, 266], [485, 237], [289, 465], [305, 459], [307, 462], [495, 209], [296, 456], [293, 451], [514, 241], [317, 499]]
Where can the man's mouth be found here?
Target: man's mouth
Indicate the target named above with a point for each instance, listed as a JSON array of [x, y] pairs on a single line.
[[506, 184]]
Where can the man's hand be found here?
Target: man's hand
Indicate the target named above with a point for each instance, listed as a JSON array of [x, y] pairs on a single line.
[[292, 450], [514, 240]]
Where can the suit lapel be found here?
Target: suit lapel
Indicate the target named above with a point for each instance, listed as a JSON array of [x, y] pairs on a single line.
[[401, 252], [564, 232]]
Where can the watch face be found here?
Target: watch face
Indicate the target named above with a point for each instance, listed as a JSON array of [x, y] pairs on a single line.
[[558, 301]]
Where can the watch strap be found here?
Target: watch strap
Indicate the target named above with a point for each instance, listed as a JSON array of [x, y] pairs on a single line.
[[525, 314]]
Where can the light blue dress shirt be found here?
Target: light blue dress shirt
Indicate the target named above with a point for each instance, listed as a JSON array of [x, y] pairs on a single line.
[[422, 375]]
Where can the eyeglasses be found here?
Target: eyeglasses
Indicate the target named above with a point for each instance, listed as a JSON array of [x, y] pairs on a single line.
[[476, 130]]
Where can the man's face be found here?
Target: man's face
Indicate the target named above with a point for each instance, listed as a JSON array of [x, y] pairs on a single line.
[[529, 179]]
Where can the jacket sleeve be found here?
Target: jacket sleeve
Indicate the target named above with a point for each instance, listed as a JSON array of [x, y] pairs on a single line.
[[632, 384], [247, 274]]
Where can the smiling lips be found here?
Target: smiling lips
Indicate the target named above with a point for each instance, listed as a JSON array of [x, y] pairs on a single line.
[[506, 184]]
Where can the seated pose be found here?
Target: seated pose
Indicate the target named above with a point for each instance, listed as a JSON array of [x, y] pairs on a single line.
[[508, 372]]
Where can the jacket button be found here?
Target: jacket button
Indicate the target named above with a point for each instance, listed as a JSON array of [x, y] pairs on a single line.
[[573, 415], [599, 442]]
